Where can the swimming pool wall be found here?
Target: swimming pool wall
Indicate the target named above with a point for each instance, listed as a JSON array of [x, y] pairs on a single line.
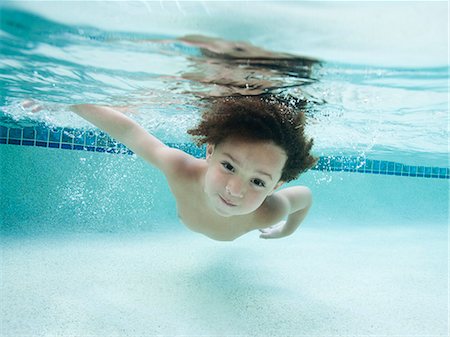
[[47, 190], [89, 140]]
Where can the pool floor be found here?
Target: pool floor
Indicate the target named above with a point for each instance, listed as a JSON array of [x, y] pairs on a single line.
[[335, 281]]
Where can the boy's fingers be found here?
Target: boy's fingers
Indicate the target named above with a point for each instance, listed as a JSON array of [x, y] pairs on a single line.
[[27, 103], [33, 105], [37, 108], [266, 233]]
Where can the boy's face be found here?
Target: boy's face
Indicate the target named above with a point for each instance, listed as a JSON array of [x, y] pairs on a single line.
[[241, 174]]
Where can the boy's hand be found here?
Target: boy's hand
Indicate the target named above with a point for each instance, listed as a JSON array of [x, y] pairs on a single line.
[[32, 105], [274, 232]]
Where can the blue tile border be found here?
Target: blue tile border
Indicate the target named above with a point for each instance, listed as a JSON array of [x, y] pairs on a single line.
[[90, 140]]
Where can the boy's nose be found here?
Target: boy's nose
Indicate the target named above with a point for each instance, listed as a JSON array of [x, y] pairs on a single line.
[[234, 188]]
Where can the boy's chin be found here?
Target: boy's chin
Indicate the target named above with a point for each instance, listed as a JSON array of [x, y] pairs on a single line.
[[224, 213], [231, 212]]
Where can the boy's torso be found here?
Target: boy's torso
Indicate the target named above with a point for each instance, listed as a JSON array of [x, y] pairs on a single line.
[[193, 209]]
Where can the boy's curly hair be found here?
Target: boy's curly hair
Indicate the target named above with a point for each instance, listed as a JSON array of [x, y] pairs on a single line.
[[263, 117]]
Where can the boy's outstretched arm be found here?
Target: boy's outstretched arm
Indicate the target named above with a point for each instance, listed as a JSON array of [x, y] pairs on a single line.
[[296, 201], [131, 134]]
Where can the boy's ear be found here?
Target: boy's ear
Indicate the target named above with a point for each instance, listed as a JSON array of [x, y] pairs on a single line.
[[209, 151], [278, 185]]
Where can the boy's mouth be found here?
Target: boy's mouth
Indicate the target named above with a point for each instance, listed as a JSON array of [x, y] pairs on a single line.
[[227, 202]]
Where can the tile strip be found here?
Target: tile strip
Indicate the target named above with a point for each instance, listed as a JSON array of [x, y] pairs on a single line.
[[89, 140]]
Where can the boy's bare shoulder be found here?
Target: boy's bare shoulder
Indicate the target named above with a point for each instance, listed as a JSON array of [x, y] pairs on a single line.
[[180, 164], [273, 210]]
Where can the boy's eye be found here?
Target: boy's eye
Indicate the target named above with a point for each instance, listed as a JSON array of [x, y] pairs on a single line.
[[228, 166], [259, 183]]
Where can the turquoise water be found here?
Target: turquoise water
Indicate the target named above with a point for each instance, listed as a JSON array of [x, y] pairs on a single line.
[[91, 244], [96, 248], [370, 99]]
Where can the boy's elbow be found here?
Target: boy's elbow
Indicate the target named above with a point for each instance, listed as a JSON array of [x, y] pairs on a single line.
[[305, 200], [306, 196], [309, 197]]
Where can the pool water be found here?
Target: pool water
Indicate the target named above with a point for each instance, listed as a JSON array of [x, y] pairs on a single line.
[[371, 258], [91, 243]]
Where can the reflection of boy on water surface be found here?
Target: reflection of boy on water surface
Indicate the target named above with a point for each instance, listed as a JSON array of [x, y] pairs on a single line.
[[240, 68]]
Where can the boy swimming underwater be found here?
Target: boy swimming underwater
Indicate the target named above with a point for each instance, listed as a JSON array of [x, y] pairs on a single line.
[[254, 145]]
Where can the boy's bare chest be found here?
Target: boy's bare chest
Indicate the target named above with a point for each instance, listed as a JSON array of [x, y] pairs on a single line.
[[198, 217]]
